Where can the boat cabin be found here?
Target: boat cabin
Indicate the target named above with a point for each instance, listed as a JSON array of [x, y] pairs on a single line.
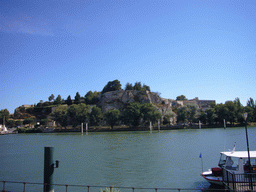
[[237, 161]]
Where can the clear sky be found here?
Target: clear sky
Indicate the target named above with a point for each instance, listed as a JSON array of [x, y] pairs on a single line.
[[197, 48]]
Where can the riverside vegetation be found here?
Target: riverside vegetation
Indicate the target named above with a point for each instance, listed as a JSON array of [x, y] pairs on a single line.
[[135, 106]]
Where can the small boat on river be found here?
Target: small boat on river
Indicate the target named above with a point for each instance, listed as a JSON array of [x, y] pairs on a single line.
[[235, 162]]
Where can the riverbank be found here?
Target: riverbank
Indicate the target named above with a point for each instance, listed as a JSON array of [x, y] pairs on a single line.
[[117, 129], [123, 128]]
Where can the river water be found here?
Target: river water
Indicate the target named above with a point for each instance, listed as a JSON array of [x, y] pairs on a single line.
[[165, 159]]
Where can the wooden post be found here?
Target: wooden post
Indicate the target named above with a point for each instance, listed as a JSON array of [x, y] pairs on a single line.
[[82, 128]]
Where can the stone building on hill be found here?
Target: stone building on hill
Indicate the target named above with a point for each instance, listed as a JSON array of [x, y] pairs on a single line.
[[201, 104]]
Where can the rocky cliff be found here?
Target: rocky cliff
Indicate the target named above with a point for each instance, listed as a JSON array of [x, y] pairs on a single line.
[[119, 99]]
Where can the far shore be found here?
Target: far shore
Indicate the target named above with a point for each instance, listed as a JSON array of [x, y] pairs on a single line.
[[116, 128], [120, 128]]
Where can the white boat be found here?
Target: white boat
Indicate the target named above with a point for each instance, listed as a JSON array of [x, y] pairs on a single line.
[[234, 161]]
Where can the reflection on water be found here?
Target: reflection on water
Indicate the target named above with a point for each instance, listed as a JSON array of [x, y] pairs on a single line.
[[165, 159]]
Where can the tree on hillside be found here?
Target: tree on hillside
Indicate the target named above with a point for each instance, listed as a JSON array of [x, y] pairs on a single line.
[[192, 110], [210, 115], [60, 115], [250, 103], [69, 101], [182, 114], [239, 110], [44, 122], [181, 98], [167, 118], [131, 115], [95, 117], [149, 113], [137, 86], [51, 97], [237, 102], [222, 112], [249, 110], [145, 88], [231, 112], [4, 116], [91, 98], [58, 100], [112, 86], [77, 98], [29, 121], [112, 117], [78, 113], [128, 86], [202, 117]]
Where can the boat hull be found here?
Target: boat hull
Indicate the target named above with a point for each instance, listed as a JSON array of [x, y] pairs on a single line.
[[211, 178]]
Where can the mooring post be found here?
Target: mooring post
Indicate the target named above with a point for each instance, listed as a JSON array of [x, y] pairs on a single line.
[[82, 128], [49, 169]]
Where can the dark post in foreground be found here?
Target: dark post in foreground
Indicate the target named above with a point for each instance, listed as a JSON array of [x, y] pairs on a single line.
[[248, 150], [49, 169]]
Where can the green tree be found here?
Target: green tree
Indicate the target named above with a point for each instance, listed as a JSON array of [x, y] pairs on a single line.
[[77, 98], [44, 122], [60, 115], [51, 97], [181, 98], [4, 116], [128, 86], [11, 123], [237, 102], [221, 112], [210, 115], [91, 98], [18, 123], [182, 114], [137, 86], [58, 100], [112, 86], [95, 116], [167, 117], [145, 88], [69, 101], [131, 115], [78, 113], [149, 113], [250, 111], [29, 121], [239, 110], [250, 103], [202, 117], [231, 112], [192, 113], [112, 117]]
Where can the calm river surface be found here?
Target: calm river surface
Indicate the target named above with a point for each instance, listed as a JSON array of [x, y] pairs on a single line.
[[165, 159]]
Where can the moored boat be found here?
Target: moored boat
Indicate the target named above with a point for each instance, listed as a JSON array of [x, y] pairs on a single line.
[[233, 161]]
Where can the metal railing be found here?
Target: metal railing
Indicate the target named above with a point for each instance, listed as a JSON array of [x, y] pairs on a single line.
[[239, 182], [26, 186]]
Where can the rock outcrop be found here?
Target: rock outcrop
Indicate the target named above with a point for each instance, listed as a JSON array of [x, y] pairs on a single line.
[[119, 99]]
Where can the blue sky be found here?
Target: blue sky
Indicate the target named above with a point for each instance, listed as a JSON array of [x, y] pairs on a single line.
[[197, 48]]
